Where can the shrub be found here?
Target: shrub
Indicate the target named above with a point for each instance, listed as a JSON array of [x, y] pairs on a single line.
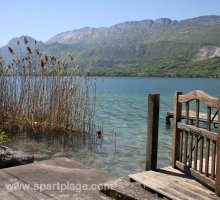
[[42, 92]]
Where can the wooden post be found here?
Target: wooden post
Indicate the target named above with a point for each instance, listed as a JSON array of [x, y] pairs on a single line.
[[152, 131], [217, 183], [176, 132]]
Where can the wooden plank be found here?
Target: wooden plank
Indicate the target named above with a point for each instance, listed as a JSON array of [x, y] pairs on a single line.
[[160, 185], [201, 154], [213, 159], [186, 167], [181, 147], [197, 113], [218, 154], [185, 147], [191, 188], [192, 116], [199, 131], [152, 131], [202, 178], [186, 135], [187, 113], [208, 118], [196, 152], [207, 141], [176, 131], [174, 184], [183, 186], [182, 166], [201, 96], [190, 149], [207, 157], [181, 177]]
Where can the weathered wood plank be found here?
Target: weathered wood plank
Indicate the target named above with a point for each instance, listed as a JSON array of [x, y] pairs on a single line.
[[152, 131], [196, 152], [207, 141], [185, 147], [182, 166], [207, 157], [173, 184], [201, 154], [184, 187], [197, 113], [190, 185], [198, 131], [202, 178], [181, 147], [218, 155], [201, 96], [208, 118], [190, 149], [176, 131], [192, 116], [213, 159]]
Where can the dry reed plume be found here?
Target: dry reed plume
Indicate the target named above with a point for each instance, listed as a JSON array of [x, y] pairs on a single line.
[[42, 92]]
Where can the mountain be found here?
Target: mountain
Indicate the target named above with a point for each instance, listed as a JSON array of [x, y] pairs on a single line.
[[147, 31], [21, 49], [161, 47]]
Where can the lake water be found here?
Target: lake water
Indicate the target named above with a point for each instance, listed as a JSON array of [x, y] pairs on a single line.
[[122, 111]]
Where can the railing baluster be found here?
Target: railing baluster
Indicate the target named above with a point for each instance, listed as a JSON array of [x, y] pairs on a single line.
[[187, 112], [190, 149], [197, 113], [181, 146], [176, 131], [207, 141], [186, 135], [213, 159], [185, 148], [201, 154], [196, 136], [217, 176], [207, 157], [208, 118], [196, 152]]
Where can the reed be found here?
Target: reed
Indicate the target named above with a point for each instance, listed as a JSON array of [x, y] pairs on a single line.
[[40, 92]]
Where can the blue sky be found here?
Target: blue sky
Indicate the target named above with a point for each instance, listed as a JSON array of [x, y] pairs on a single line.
[[43, 19]]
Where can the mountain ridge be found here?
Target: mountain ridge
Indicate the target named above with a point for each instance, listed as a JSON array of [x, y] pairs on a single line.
[[161, 47], [73, 36]]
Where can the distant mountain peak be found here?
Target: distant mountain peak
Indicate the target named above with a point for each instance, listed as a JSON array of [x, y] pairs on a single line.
[[13, 41]]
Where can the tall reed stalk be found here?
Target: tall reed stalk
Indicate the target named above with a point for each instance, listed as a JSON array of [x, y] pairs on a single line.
[[42, 92]]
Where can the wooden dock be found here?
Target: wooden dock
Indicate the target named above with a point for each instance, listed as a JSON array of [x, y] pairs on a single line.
[[174, 184], [192, 117]]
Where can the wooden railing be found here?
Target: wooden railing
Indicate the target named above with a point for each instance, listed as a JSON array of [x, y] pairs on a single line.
[[196, 150]]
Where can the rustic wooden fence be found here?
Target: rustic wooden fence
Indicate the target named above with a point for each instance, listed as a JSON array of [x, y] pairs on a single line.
[[196, 150]]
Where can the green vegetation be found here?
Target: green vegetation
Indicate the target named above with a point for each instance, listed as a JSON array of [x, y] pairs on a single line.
[[165, 68], [3, 137]]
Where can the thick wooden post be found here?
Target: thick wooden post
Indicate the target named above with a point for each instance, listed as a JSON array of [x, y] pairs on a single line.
[[217, 183], [176, 132], [152, 131]]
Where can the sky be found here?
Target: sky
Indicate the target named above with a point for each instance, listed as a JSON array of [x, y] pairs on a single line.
[[43, 19]]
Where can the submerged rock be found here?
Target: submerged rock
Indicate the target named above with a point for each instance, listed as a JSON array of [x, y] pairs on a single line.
[[10, 158]]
